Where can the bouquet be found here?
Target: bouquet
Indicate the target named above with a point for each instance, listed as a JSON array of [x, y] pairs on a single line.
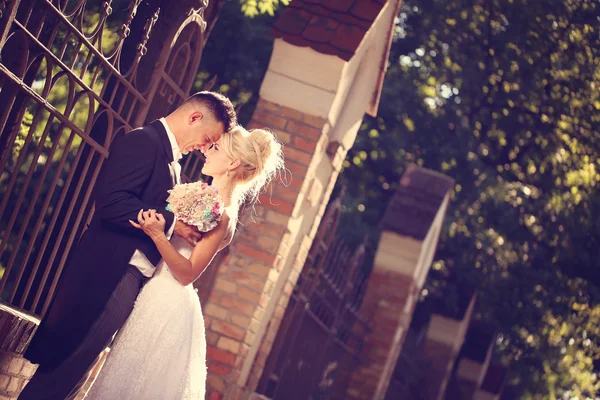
[[196, 204]]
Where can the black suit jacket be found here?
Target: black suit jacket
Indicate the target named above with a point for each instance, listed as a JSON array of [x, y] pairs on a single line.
[[135, 176]]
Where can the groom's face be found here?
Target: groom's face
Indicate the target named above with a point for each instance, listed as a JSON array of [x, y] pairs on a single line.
[[203, 132]]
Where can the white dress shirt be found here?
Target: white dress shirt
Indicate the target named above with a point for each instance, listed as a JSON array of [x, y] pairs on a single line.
[[138, 259]]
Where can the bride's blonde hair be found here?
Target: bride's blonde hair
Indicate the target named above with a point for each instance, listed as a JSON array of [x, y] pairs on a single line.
[[261, 158]]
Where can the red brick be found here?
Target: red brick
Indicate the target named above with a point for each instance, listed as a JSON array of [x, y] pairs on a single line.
[[215, 396], [305, 145], [314, 121], [225, 286], [16, 364], [211, 337], [4, 381], [227, 302], [235, 374], [259, 312], [295, 182], [242, 321], [214, 297], [283, 137], [218, 369], [227, 329], [306, 131], [261, 359], [212, 353], [269, 244], [291, 113], [286, 193], [254, 253], [264, 300], [249, 337], [244, 350], [240, 306], [268, 106], [259, 270], [279, 311], [247, 294], [277, 217], [254, 325], [216, 383], [253, 380], [285, 207], [271, 335], [269, 120], [250, 281], [229, 345], [241, 277], [296, 155], [298, 172], [215, 311], [288, 289], [264, 228]]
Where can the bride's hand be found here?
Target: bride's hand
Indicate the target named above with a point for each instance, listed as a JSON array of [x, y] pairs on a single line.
[[151, 222]]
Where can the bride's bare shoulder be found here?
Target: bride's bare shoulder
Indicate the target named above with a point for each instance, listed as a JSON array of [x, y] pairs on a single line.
[[229, 225]]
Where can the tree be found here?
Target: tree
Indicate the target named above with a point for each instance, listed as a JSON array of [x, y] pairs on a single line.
[[504, 97], [236, 60], [252, 8]]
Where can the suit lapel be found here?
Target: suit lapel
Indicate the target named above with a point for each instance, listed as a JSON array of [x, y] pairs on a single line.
[[163, 138]]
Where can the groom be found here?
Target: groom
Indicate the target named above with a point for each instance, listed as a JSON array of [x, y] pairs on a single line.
[[112, 260]]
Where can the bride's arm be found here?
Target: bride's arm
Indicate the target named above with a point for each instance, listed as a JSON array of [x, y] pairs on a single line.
[[186, 271]]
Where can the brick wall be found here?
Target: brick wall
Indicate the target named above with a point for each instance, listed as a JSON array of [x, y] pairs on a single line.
[[17, 328], [389, 305], [474, 361], [411, 228], [252, 287], [15, 371]]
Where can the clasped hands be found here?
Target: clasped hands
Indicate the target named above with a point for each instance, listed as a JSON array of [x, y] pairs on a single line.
[[153, 225]]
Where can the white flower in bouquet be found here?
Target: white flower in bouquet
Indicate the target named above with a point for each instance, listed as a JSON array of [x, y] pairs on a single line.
[[196, 204]]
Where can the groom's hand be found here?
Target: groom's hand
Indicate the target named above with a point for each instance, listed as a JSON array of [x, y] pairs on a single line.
[[190, 233]]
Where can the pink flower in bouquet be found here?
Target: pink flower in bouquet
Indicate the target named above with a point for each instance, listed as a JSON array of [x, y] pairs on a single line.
[[196, 204]]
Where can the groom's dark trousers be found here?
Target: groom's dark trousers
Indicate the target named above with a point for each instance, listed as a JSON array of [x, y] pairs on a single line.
[[64, 381], [98, 287]]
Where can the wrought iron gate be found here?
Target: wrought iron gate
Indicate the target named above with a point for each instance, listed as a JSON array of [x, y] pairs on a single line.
[[74, 74], [321, 333]]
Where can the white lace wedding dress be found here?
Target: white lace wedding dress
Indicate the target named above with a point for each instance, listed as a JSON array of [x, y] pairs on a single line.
[[160, 353]]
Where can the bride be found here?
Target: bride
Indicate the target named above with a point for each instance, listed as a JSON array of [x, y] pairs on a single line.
[[160, 353]]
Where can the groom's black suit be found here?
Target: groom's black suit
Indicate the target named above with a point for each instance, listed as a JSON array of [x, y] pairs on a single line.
[[98, 287]]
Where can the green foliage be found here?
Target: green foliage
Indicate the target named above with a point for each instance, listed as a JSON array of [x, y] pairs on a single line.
[[237, 59], [504, 97], [253, 8]]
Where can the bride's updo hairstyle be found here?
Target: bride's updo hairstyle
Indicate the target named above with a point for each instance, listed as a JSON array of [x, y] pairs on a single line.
[[261, 159]]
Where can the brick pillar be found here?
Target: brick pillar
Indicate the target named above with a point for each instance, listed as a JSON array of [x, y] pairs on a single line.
[[252, 286], [315, 102], [17, 329], [474, 361], [444, 339], [411, 228], [493, 383]]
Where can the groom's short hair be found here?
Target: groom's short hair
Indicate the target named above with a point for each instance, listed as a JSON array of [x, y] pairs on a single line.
[[218, 105]]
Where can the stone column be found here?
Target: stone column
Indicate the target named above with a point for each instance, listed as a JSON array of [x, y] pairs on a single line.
[[411, 228], [445, 337]]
